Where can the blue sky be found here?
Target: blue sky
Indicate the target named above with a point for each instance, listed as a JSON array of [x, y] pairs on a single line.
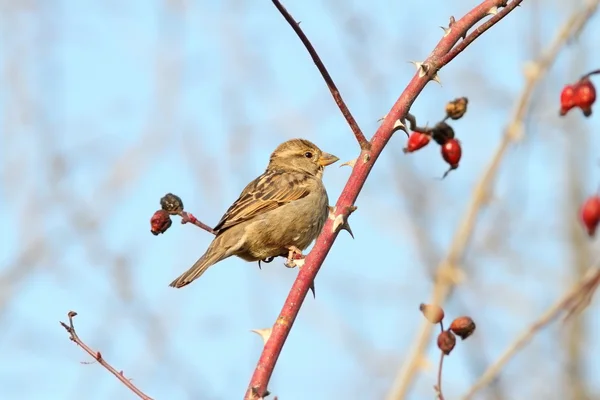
[[105, 107]]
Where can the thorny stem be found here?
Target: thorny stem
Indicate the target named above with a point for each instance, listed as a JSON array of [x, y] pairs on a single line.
[[364, 163], [360, 137], [70, 328]]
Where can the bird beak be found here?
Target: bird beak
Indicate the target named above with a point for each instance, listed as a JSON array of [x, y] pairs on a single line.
[[327, 159]]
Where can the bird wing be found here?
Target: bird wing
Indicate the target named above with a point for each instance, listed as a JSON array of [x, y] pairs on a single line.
[[267, 192]]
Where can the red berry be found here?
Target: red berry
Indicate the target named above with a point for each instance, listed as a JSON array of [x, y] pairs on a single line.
[[451, 152], [416, 141], [160, 222], [567, 99], [590, 214], [585, 96]]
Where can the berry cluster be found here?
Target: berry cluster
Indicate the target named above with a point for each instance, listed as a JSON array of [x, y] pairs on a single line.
[[462, 327], [582, 94], [441, 133]]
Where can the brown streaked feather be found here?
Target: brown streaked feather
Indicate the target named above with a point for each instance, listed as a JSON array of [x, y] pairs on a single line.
[[267, 192]]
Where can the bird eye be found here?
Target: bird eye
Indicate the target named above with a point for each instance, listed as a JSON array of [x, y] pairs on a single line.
[[308, 154]]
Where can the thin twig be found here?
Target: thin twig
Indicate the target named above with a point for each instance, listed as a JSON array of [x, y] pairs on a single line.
[[187, 217], [360, 137], [344, 206], [70, 328], [594, 72], [561, 306], [438, 387], [449, 267], [439, 377]]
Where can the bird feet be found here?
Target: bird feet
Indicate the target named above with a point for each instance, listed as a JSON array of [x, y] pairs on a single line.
[[295, 258]]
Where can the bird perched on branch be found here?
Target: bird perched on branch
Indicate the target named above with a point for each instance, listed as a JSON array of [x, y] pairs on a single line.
[[279, 213]]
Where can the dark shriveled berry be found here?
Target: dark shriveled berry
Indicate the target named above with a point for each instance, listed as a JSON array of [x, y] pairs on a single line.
[[457, 108], [171, 203], [463, 327], [446, 342], [442, 132]]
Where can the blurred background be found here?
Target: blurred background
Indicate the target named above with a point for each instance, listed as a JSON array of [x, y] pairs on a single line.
[[105, 106]]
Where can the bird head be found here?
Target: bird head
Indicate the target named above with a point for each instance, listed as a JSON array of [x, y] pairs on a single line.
[[301, 155]]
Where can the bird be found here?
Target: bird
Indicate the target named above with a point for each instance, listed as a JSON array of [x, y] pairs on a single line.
[[280, 213]]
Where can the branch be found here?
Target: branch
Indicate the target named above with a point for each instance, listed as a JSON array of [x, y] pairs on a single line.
[[360, 137], [448, 268], [70, 328], [187, 217], [360, 172], [564, 304]]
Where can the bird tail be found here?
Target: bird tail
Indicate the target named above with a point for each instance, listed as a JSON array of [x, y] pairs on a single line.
[[212, 256]]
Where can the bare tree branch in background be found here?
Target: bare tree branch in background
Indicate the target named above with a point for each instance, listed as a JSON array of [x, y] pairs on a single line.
[[562, 305]]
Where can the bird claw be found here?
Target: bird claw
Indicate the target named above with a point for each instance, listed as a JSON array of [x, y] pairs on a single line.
[[295, 258], [266, 261]]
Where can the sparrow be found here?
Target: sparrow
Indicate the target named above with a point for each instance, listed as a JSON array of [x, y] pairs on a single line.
[[279, 213]]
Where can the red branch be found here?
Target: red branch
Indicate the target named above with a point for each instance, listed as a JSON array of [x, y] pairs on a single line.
[[443, 53], [188, 218], [98, 357], [360, 137]]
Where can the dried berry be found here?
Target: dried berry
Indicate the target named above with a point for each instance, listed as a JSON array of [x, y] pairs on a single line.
[[446, 341], [160, 222], [567, 99], [457, 108], [463, 327], [442, 132], [585, 96], [416, 141], [433, 313], [171, 203], [590, 214]]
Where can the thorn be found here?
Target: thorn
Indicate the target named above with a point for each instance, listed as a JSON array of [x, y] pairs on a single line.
[[349, 163], [264, 333], [312, 289], [436, 78], [493, 11], [399, 125], [420, 67], [331, 212], [446, 31], [337, 222], [340, 222]]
